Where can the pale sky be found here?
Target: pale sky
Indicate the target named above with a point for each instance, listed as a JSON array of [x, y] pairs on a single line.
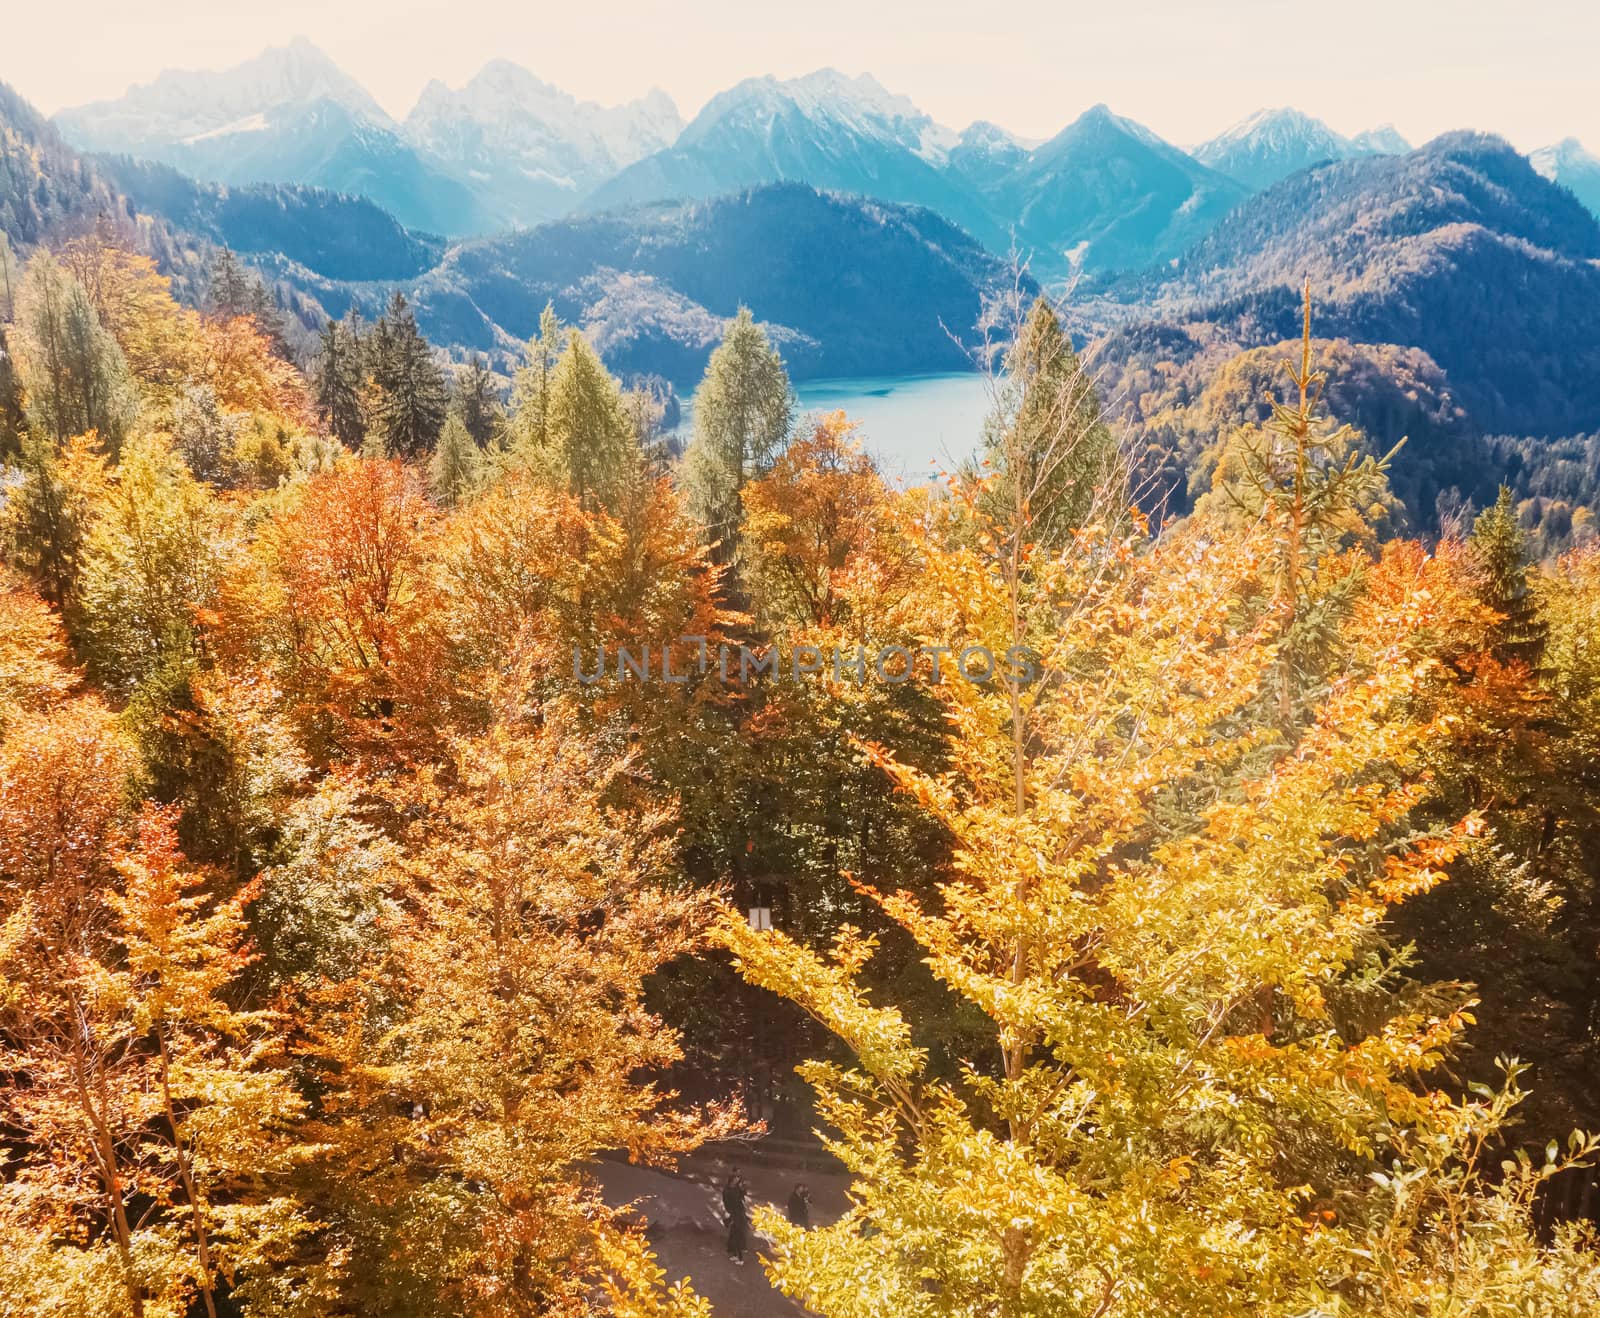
[[1528, 70]]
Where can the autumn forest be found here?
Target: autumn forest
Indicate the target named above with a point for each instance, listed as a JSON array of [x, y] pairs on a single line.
[[1231, 951]]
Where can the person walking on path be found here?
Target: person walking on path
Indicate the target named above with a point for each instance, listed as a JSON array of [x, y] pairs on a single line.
[[799, 1207], [734, 1192]]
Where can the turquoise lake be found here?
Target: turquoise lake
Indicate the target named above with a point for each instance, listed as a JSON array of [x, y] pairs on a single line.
[[907, 422]]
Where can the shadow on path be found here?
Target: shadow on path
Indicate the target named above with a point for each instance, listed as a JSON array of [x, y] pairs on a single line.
[[682, 1212]]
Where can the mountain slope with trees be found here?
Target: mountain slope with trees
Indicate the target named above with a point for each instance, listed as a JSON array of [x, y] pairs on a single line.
[[337, 236], [1107, 194], [1459, 249], [849, 286], [364, 885]]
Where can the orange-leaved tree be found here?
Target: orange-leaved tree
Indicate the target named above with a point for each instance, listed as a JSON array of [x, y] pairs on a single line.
[[499, 1041], [336, 596]]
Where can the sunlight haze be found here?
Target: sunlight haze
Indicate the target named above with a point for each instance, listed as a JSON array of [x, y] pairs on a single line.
[[1185, 70]]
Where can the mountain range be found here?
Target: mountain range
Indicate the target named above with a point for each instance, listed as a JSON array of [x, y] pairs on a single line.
[[508, 150], [844, 284], [1458, 284]]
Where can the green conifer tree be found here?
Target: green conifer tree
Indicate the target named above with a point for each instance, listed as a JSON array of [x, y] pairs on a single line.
[[1501, 549], [591, 441], [231, 292], [1050, 450], [336, 384], [530, 389], [454, 468], [12, 416], [742, 413], [75, 377], [1317, 487], [412, 400], [46, 516], [9, 278], [149, 560], [475, 400]]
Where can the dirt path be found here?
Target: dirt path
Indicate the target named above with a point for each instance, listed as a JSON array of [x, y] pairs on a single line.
[[683, 1211]]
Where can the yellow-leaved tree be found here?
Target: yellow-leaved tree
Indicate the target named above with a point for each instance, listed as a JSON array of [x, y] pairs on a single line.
[[1205, 1093]]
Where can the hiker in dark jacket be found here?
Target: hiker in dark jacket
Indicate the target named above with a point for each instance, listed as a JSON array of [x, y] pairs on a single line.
[[799, 1209], [733, 1203]]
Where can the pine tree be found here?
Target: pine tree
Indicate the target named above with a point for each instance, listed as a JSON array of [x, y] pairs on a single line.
[[454, 468], [48, 514], [336, 384], [1051, 453], [1501, 550], [530, 388], [742, 412], [474, 399], [412, 400], [9, 276], [266, 312], [231, 292], [148, 563]]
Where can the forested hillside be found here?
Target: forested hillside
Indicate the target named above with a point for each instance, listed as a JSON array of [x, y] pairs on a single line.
[[1466, 281], [334, 236], [48, 191], [848, 286]]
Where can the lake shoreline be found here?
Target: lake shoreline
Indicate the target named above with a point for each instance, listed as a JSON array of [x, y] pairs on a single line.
[[913, 425]]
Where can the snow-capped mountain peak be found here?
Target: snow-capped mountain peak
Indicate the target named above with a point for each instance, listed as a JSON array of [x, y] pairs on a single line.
[[1272, 144], [1384, 140], [1565, 155], [1280, 126], [513, 107], [187, 105], [531, 149], [1269, 136], [832, 100], [980, 134], [1574, 167]]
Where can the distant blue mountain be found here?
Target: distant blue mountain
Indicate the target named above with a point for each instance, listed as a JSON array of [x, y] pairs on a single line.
[[1574, 168], [506, 149], [288, 116], [1105, 194], [1273, 144]]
